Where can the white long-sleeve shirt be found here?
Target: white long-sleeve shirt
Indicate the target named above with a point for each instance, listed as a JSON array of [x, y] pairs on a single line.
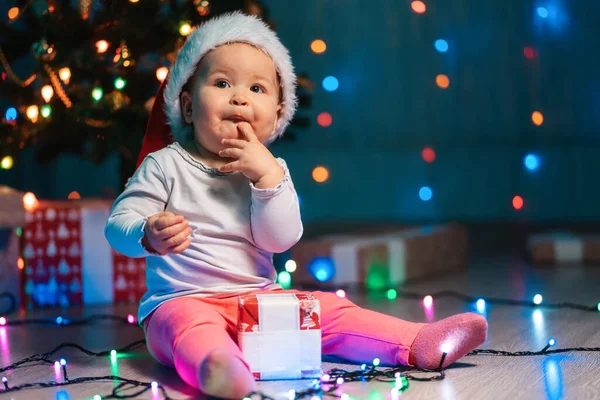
[[236, 227]]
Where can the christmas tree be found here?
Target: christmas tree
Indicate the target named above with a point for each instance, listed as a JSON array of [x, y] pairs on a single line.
[[80, 75]]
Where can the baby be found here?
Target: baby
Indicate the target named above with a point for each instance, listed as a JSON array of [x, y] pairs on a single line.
[[209, 210]]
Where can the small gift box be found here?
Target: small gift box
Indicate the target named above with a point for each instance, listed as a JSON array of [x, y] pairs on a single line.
[[280, 335]]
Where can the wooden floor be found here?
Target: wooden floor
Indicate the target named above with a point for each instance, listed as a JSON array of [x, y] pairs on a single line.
[[568, 376]]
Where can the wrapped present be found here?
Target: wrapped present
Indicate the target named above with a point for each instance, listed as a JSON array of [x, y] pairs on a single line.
[[379, 260], [280, 335], [68, 261], [553, 248]]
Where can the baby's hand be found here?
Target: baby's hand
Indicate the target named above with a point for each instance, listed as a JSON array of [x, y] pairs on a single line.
[[166, 233]]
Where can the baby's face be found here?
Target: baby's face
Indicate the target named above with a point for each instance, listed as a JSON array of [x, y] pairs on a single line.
[[233, 83]]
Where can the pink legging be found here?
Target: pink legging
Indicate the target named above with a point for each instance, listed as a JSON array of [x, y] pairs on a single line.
[[183, 331]]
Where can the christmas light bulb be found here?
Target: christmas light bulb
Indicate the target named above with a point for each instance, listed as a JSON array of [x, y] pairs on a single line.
[[2, 321], [97, 397], [32, 113], [4, 379], [47, 93], [552, 342], [376, 361], [63, 362], [29, 201], [481, 306], [284, 278], [290, 266], [46, 110], [102, 46], [537, 299], [392, 294], [120, 83], [363, 367], [344, 396], [185, 29], [59, 320], [161, 73], [325, 378], [97, 93], [130, 319], [65, 74], [13, 13], [154, 384], [428, 301], [340, 380], [341, 293], [598, 306], [446, 348], [291, 394], [7, 162]]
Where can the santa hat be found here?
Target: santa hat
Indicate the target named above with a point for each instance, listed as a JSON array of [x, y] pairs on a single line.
[[227, 28]]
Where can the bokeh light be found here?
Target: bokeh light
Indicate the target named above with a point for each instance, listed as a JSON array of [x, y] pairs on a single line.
[[290, 266], [13, 13], [330, 83], [428, 301], [532, 162], [517, 202], [11, 114], [324, 119], [74, 196], [428, 154], [442, 81], [161, 73], [425, 193], [322, 268], [537, 118], [7, 162], [29, 201], [320, 174], [418, 6], [441, 45], [318, 46], [529, 53], [102, 46], [542, 12]]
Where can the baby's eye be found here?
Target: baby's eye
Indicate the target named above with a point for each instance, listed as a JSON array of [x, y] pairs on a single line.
[[257, 89], [222, 84]]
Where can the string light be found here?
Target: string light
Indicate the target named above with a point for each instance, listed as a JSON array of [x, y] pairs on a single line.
[[102, 46], [320, 174], [2, 321], [290, 266], [532, 162], [185, 29], [29, 201], [7, 162], [47, 93], [284, 278], [342, 293], [120, 83], [537, 118], [418, 7], [481, 306], [330, 83], [324, 119], [161, 73], [11, 114], [517, 202], [441, 45], [428, 301], [33, 113], [13, 13], [97, 93], [46, 110], [65, 74], [442, 81], [428, 154], [318, 46], [537, 299], [392, 294], [425, 193]]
